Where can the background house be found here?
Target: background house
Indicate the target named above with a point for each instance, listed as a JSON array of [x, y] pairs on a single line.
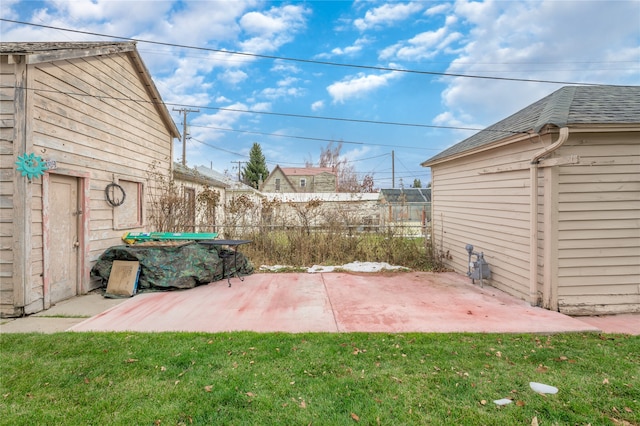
[[242, 204], [551, 195], [93, 113], [200, 201], [300, 179]]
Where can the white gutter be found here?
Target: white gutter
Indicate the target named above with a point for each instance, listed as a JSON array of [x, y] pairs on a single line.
[[533, 203]]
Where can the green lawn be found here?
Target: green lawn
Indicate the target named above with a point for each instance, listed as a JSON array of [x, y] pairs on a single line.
[[319, 379]]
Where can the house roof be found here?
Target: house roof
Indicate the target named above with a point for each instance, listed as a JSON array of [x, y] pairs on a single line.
[[194, 175], [305, 197], [231, 184], [568, 106], [38, 52], [406, 195], [306, 171]]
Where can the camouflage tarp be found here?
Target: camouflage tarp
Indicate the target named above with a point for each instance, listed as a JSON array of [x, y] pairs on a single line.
[[173, 267]]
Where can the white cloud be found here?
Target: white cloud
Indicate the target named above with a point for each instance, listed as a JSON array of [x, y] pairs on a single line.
[[357, 153], [271, 29], [387, 14], [233, 77], [287, 81], [261, 106], [438, 9], [359, 85], [223, 118], [536, 40], [273, 93], [317, 105], [425, 45], [351, 50], [280, 66]]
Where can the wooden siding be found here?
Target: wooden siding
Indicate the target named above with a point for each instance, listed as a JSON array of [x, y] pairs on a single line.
[[314, 183], [94, 118], [270, 183], [7, 166], [99, 131], [203, 220], [599, 226], [324, 182], [484, 200]]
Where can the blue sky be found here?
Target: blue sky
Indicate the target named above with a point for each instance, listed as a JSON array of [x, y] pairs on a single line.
[[311, 101]]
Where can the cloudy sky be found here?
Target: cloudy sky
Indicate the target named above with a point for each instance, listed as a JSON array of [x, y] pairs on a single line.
[[381, 77]]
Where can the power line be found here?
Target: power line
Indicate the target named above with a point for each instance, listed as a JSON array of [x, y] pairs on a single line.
[[300, 60], [316, 117], [239, 154], [309, 138]]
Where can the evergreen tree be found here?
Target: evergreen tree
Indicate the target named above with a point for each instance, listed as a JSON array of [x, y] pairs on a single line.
[[256, 170], [417, 183]]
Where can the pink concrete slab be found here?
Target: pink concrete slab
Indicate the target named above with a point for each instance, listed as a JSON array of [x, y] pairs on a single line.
[[435, 302], [623, 323], [262, 302], [334, 302]]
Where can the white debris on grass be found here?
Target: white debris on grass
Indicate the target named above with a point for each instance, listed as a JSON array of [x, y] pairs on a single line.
[[542, 388], [503, 401], [353, 267]]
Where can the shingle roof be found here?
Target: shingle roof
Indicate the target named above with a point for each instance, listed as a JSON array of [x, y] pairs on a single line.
[[49, 46], [194, 175], [570, 105], [37, 52], [306, 171]]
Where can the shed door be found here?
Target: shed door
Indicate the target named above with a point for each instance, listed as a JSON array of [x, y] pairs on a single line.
[[63, 219]]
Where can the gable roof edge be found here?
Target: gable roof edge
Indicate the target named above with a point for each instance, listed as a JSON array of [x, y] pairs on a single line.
[[145, 75]]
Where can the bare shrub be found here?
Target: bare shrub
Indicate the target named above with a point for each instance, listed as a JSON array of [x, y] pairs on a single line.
[[173, 207]]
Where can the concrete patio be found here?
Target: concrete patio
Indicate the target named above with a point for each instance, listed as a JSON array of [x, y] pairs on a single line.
[[321, 302]]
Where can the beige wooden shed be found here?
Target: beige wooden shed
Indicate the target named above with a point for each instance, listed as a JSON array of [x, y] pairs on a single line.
[[90, 122], [551, 196]]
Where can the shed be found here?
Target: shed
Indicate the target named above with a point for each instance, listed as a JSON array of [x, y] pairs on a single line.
[[80, 126], [242, 204], [201, 200], [551, 196]]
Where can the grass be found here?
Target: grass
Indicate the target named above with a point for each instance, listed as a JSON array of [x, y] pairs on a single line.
[[323, 379]]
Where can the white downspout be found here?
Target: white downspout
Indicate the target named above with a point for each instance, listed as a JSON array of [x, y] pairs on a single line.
[[533, 203]]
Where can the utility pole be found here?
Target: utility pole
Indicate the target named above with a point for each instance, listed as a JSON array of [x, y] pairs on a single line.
[[393, 169], [184, 112], [239, 166]]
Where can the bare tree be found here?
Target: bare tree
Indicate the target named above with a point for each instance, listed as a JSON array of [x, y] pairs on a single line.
[[347, 178]]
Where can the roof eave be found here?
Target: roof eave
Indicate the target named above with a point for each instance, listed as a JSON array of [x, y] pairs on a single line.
[[154, 93], [38, 56], [497, 144]]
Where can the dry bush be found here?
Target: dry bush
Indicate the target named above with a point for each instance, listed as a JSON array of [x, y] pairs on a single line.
[[172, 210], [332, 246]]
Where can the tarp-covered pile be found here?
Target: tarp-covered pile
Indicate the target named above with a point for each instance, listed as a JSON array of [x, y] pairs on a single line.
[[174, 267]]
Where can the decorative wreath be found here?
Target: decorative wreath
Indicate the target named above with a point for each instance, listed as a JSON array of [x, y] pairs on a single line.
[[112, 198], [30, 165]]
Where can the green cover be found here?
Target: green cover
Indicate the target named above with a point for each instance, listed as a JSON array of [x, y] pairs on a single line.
[[175, 267], [163, 236]]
